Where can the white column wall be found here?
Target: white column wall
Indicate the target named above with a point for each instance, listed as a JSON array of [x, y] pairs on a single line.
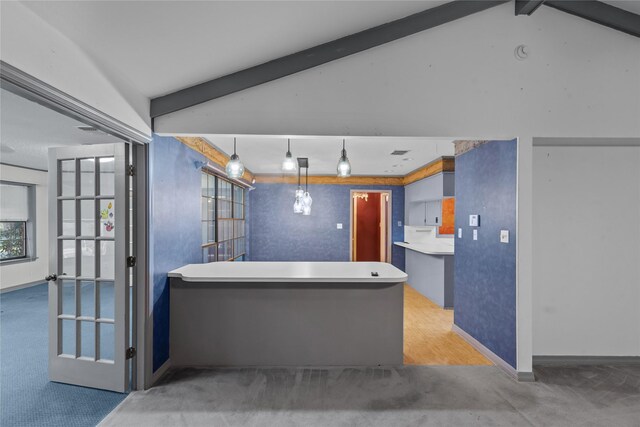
[[586, 241]]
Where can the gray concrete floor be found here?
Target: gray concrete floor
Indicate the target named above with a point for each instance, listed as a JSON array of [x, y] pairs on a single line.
[[407, 396]]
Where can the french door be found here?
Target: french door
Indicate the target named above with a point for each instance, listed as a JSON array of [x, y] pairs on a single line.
[[89, 274]]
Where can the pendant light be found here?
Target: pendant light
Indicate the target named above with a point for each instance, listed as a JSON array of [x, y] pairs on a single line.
[[297, 205], [235, 168], [306, 197], [288, 164], [344, 167]]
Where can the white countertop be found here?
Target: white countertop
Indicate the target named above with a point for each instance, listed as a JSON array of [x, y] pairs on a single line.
[[290, 272], [427, 249]]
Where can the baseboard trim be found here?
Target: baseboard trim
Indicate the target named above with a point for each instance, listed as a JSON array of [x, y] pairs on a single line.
[[504, 366], [23, 286], [159, 373], [585, 360]]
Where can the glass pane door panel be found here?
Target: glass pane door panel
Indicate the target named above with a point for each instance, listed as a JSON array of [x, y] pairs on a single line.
[[106, 300], [88, 259], [107, 259], [107, 219], [67, 178], [87, 177], [68, 331], [107, 176], [68, 257], [88, 339], [88, 218], [87, 298], [67, 295], [68, 218], [106, 341]]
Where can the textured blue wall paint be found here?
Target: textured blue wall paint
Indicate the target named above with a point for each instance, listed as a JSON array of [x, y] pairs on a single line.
[[174, 227], [277, 234], [485, 270]]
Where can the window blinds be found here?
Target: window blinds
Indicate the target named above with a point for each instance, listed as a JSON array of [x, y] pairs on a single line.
[[14, 202]]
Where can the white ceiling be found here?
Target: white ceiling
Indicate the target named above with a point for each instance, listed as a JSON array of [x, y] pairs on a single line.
[[368, 155], [163, 46], [27, 130]]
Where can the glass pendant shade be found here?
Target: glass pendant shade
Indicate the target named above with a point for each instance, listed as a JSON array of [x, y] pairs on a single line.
[[297, 206], [306, 210], [235, 168], [344, 167], [289, 164], [306, 199]]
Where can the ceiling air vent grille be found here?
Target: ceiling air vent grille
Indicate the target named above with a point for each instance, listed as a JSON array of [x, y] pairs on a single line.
[[399, 152], [87, 129]]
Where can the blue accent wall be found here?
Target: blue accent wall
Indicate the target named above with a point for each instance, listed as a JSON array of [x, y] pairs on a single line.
[[174, 226], [485, 269], [277, 234]]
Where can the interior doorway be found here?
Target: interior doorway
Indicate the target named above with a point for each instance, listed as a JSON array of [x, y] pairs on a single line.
[[371, 225]]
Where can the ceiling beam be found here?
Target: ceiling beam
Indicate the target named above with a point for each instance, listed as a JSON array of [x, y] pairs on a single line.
[[600, 13], [318, 55], [527, 7]]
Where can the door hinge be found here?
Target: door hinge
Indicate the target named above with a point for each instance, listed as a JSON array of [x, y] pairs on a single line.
[[131, 171], [130, 353], [131, 261]]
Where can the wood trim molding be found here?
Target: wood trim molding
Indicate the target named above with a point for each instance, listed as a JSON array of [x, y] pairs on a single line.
[[216, 156], [443, 164], [330, 180]]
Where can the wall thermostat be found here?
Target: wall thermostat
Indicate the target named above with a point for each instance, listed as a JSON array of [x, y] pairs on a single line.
[[474, 220]]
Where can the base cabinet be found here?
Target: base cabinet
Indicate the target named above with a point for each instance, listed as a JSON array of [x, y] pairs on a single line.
[[432, 276]]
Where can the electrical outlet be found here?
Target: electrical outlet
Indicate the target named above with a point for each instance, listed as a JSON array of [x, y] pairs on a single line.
[[475, 234], [459, 233], [504, 236], [399, 223], [339, 226]]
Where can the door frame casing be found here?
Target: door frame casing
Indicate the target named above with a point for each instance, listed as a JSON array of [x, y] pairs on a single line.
[[352, 222], [29, 87]]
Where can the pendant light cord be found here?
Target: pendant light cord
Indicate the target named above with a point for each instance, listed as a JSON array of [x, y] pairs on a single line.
[[306, 184], [234, 145]]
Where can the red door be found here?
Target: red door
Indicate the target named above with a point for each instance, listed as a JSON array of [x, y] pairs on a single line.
[[367, 228]]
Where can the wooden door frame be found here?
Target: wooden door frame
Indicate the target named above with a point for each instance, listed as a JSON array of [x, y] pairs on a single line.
[[352, 225]]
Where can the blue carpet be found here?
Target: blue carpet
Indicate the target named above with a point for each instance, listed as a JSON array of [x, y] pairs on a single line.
[[27, 397]]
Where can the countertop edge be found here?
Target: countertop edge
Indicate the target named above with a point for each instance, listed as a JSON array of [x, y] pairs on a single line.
[[422, 251]]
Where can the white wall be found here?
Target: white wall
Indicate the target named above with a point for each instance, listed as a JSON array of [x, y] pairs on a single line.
[[30, 44], [586, 251], [460, 79], [27, 272]]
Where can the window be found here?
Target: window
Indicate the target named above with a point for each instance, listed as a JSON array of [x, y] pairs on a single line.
[[16, 226], [223, 220]]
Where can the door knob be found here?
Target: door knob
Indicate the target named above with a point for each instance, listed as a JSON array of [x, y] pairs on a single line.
[[51, 277]]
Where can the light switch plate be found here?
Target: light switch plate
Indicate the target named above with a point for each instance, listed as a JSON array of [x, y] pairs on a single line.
[[474, 220], [475, 234], [459, 233], [504, 236], [399, 223], [339, 226]]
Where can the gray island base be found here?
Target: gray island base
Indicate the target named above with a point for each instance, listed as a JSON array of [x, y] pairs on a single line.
[[287, 314]]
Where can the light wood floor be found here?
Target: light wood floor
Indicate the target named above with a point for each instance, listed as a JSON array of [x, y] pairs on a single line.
[[428, 338]]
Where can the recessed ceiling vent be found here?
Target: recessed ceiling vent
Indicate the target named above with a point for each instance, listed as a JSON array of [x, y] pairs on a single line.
[[399, 152], [87, 129]]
